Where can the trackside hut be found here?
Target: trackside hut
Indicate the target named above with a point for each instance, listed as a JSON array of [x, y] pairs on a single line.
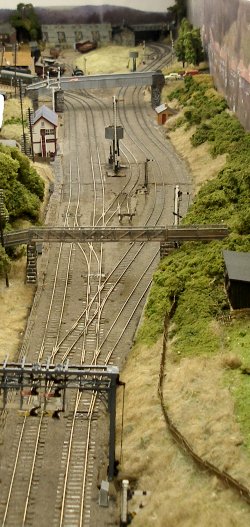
[[164, 112], [45, 132], [237, 278]]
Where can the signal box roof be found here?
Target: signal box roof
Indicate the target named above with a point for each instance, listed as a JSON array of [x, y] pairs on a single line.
[[237, 265], [47, 114]]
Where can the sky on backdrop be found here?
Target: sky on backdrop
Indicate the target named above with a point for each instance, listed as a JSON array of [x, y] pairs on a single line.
[[144, 5]]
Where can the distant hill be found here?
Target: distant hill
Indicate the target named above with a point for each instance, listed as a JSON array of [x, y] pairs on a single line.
[[97, 14], [91, 15], [5, 15]]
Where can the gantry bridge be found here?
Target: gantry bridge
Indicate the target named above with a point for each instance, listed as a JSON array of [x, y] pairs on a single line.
[[101, 82], [155, 79], [116, 234]]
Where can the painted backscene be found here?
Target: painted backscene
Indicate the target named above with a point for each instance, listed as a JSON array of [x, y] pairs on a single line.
[[226, 36], [92, 8]]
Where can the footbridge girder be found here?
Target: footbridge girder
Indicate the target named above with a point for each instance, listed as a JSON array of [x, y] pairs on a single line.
[[102, 82], [116, 234]]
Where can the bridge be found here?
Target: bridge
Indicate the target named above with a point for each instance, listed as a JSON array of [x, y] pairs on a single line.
[[116, 234], [101, 82], [155, 79]]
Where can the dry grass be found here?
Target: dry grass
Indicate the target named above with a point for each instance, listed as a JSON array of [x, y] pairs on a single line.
[[231, 361], [203, 166], [16, 301], [203, 410], [181, 496], [12, 108], [114, 59], [47, 175], [15, 304]]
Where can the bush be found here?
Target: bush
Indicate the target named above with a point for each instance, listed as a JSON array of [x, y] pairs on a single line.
[[194, 274], [23, 187], [4, 262]]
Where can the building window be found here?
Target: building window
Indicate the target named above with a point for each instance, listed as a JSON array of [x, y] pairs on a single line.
[[95, 36], [78, 36], [45, 36], [61, 36], [49, 131], [42, 124]]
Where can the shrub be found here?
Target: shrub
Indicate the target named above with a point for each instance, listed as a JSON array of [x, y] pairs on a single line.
[[23, 187]]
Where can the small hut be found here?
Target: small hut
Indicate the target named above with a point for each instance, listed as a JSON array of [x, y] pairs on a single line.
[[164, 112], [237, 278]]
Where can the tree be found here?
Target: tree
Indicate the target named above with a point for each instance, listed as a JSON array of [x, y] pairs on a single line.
[[197, 45], [178, 10], [23, 187], [26, 23], [188, 46], [180, 44]]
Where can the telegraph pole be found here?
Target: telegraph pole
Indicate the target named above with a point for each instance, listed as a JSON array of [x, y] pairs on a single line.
[[146, 174], [172, 45], [3, 219], [115, 161], [21, 103], [31, 134]]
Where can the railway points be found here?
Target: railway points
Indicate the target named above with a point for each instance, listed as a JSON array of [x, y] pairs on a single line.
[[89, 298]]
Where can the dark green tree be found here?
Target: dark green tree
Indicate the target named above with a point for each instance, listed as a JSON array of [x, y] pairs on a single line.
[[181, 42], [178, 10], [26, 23], [188, 46], [197, 46]]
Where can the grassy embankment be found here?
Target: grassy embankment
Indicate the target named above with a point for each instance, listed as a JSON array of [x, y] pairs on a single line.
[[23, 183], [200, 385], [194, 274]]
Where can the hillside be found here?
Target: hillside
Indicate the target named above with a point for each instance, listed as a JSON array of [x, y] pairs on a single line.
[[204, 350], [92, 15]]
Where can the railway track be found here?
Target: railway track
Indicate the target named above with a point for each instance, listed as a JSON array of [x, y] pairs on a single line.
[[88, 306]]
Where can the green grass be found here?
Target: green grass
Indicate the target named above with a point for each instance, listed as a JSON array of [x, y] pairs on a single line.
[[194, 274]]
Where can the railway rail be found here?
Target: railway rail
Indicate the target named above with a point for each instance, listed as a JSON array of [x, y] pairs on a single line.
[[52, 339], [87, 306]]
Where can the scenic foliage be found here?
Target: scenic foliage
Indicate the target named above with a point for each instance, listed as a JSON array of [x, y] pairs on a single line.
[[26, 23], [194, 274], [178, 10], [23, 187], [188, 46]]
